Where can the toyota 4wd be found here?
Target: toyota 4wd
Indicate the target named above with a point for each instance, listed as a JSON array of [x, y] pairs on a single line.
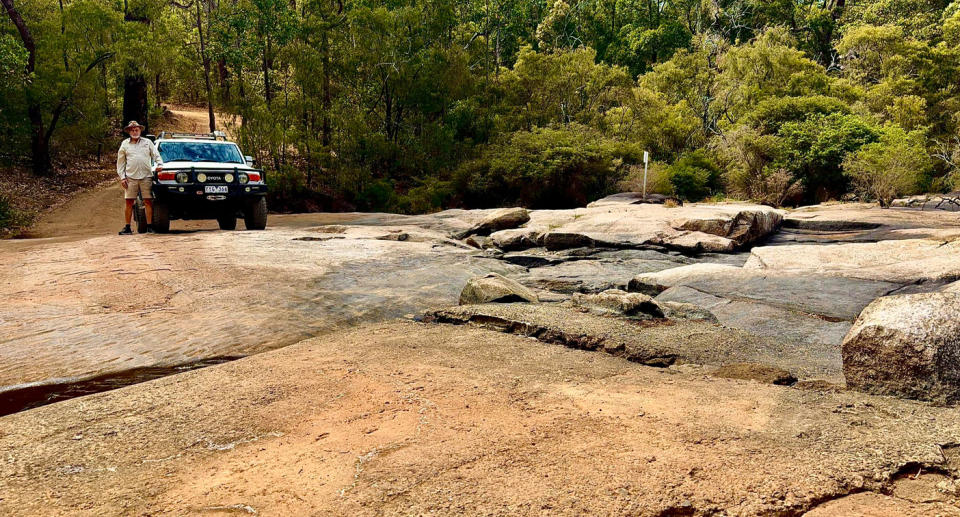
[[204, 176]]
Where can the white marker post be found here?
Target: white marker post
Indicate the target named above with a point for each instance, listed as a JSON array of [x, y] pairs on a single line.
[[646, 159]]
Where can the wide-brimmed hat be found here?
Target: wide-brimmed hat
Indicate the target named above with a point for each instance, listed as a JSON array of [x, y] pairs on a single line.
[[132, 124]]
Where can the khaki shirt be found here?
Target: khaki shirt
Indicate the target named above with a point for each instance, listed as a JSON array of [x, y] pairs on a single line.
[[133, 159]]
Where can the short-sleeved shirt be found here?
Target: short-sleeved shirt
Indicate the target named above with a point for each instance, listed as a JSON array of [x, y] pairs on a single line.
[[134, 158]]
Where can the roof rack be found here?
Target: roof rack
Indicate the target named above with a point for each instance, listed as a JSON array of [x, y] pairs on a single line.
[[216, 135]]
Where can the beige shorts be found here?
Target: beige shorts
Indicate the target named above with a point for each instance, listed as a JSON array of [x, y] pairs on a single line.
[[143, 187]]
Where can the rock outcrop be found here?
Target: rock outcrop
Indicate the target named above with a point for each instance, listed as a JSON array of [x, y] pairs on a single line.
[[502, 219], [633, 198], [826, 296], [693, 228], [494, 288], [907, 346], [686, 311], [653, 342], [615, 301], [515, 240], [903, 260]]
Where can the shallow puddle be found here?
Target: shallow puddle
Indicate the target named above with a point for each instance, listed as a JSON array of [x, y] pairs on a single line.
[[18, 399]]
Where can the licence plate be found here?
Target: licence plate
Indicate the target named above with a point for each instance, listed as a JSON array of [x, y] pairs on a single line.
[[215, 189]]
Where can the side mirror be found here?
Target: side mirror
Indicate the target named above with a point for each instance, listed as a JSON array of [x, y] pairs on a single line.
[[250, 161]]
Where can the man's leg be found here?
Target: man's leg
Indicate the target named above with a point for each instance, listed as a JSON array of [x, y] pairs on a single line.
[[128, 210], [148, 206]]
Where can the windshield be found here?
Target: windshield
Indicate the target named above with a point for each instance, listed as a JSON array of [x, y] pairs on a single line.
[[199, 152]]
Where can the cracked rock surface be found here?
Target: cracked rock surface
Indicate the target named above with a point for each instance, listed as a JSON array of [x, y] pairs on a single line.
[[551, 408], [400, 418]]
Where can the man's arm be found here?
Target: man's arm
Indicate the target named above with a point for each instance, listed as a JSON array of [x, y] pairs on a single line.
[[122, 163], [157, 159]]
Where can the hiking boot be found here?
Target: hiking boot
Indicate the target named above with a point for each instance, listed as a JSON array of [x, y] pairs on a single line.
[[149, 229], [126, 230]]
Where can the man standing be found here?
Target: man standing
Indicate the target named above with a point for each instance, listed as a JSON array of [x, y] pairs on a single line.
[[133, 167]]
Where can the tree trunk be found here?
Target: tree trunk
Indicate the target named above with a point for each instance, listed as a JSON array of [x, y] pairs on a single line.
[[39, 147], [206, 70], [268, 95], [135, 102], [156, 90], [327, 101]]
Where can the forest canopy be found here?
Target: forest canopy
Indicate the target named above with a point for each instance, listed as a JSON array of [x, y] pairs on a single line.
[[415, 106]]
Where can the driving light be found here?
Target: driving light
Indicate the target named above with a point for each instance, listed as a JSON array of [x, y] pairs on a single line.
[[183, 177], [228, 178], [201, 177], [243, 179]]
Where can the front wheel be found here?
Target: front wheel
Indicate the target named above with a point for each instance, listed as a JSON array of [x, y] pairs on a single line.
[[227, 221], [255, 214], [140, 214], [161, 217]]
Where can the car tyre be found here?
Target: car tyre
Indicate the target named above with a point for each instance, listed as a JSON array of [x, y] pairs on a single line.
[[161, 217], [227, 221], [140, 214], [255, 214]]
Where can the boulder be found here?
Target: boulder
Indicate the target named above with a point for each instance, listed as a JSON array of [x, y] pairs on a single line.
[[515, 240], [744, 227], [564, 240], [494, 288], [619, 302], [907, 346], [686, 311], [479, 241], [502, 219]]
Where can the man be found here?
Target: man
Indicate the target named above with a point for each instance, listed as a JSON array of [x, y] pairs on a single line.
[[133, 167]]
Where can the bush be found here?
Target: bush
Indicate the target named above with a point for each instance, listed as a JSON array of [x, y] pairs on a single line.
[[771, 114], [694, 176], [813, 149], [11, 219], [889, 168], [287, 191], [658, 180], [545, 168], [7, 214], [430, 195]]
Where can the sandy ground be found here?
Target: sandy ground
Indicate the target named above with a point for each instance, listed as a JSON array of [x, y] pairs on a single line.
[[408, 418]]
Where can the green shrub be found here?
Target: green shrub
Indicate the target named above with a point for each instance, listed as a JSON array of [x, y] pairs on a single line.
[[287, 191], [545, 168], [7, 213], [771, 114], [813, 149], [890, 167], [695, 176], [430, 195], [378, 196], [12, 219]]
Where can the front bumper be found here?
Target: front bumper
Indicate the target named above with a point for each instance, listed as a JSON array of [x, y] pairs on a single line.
[[191, 200]]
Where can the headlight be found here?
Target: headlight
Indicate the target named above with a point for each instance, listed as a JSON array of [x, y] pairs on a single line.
[[183, 177], [201, 177], [243, 178], [228, 177]]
